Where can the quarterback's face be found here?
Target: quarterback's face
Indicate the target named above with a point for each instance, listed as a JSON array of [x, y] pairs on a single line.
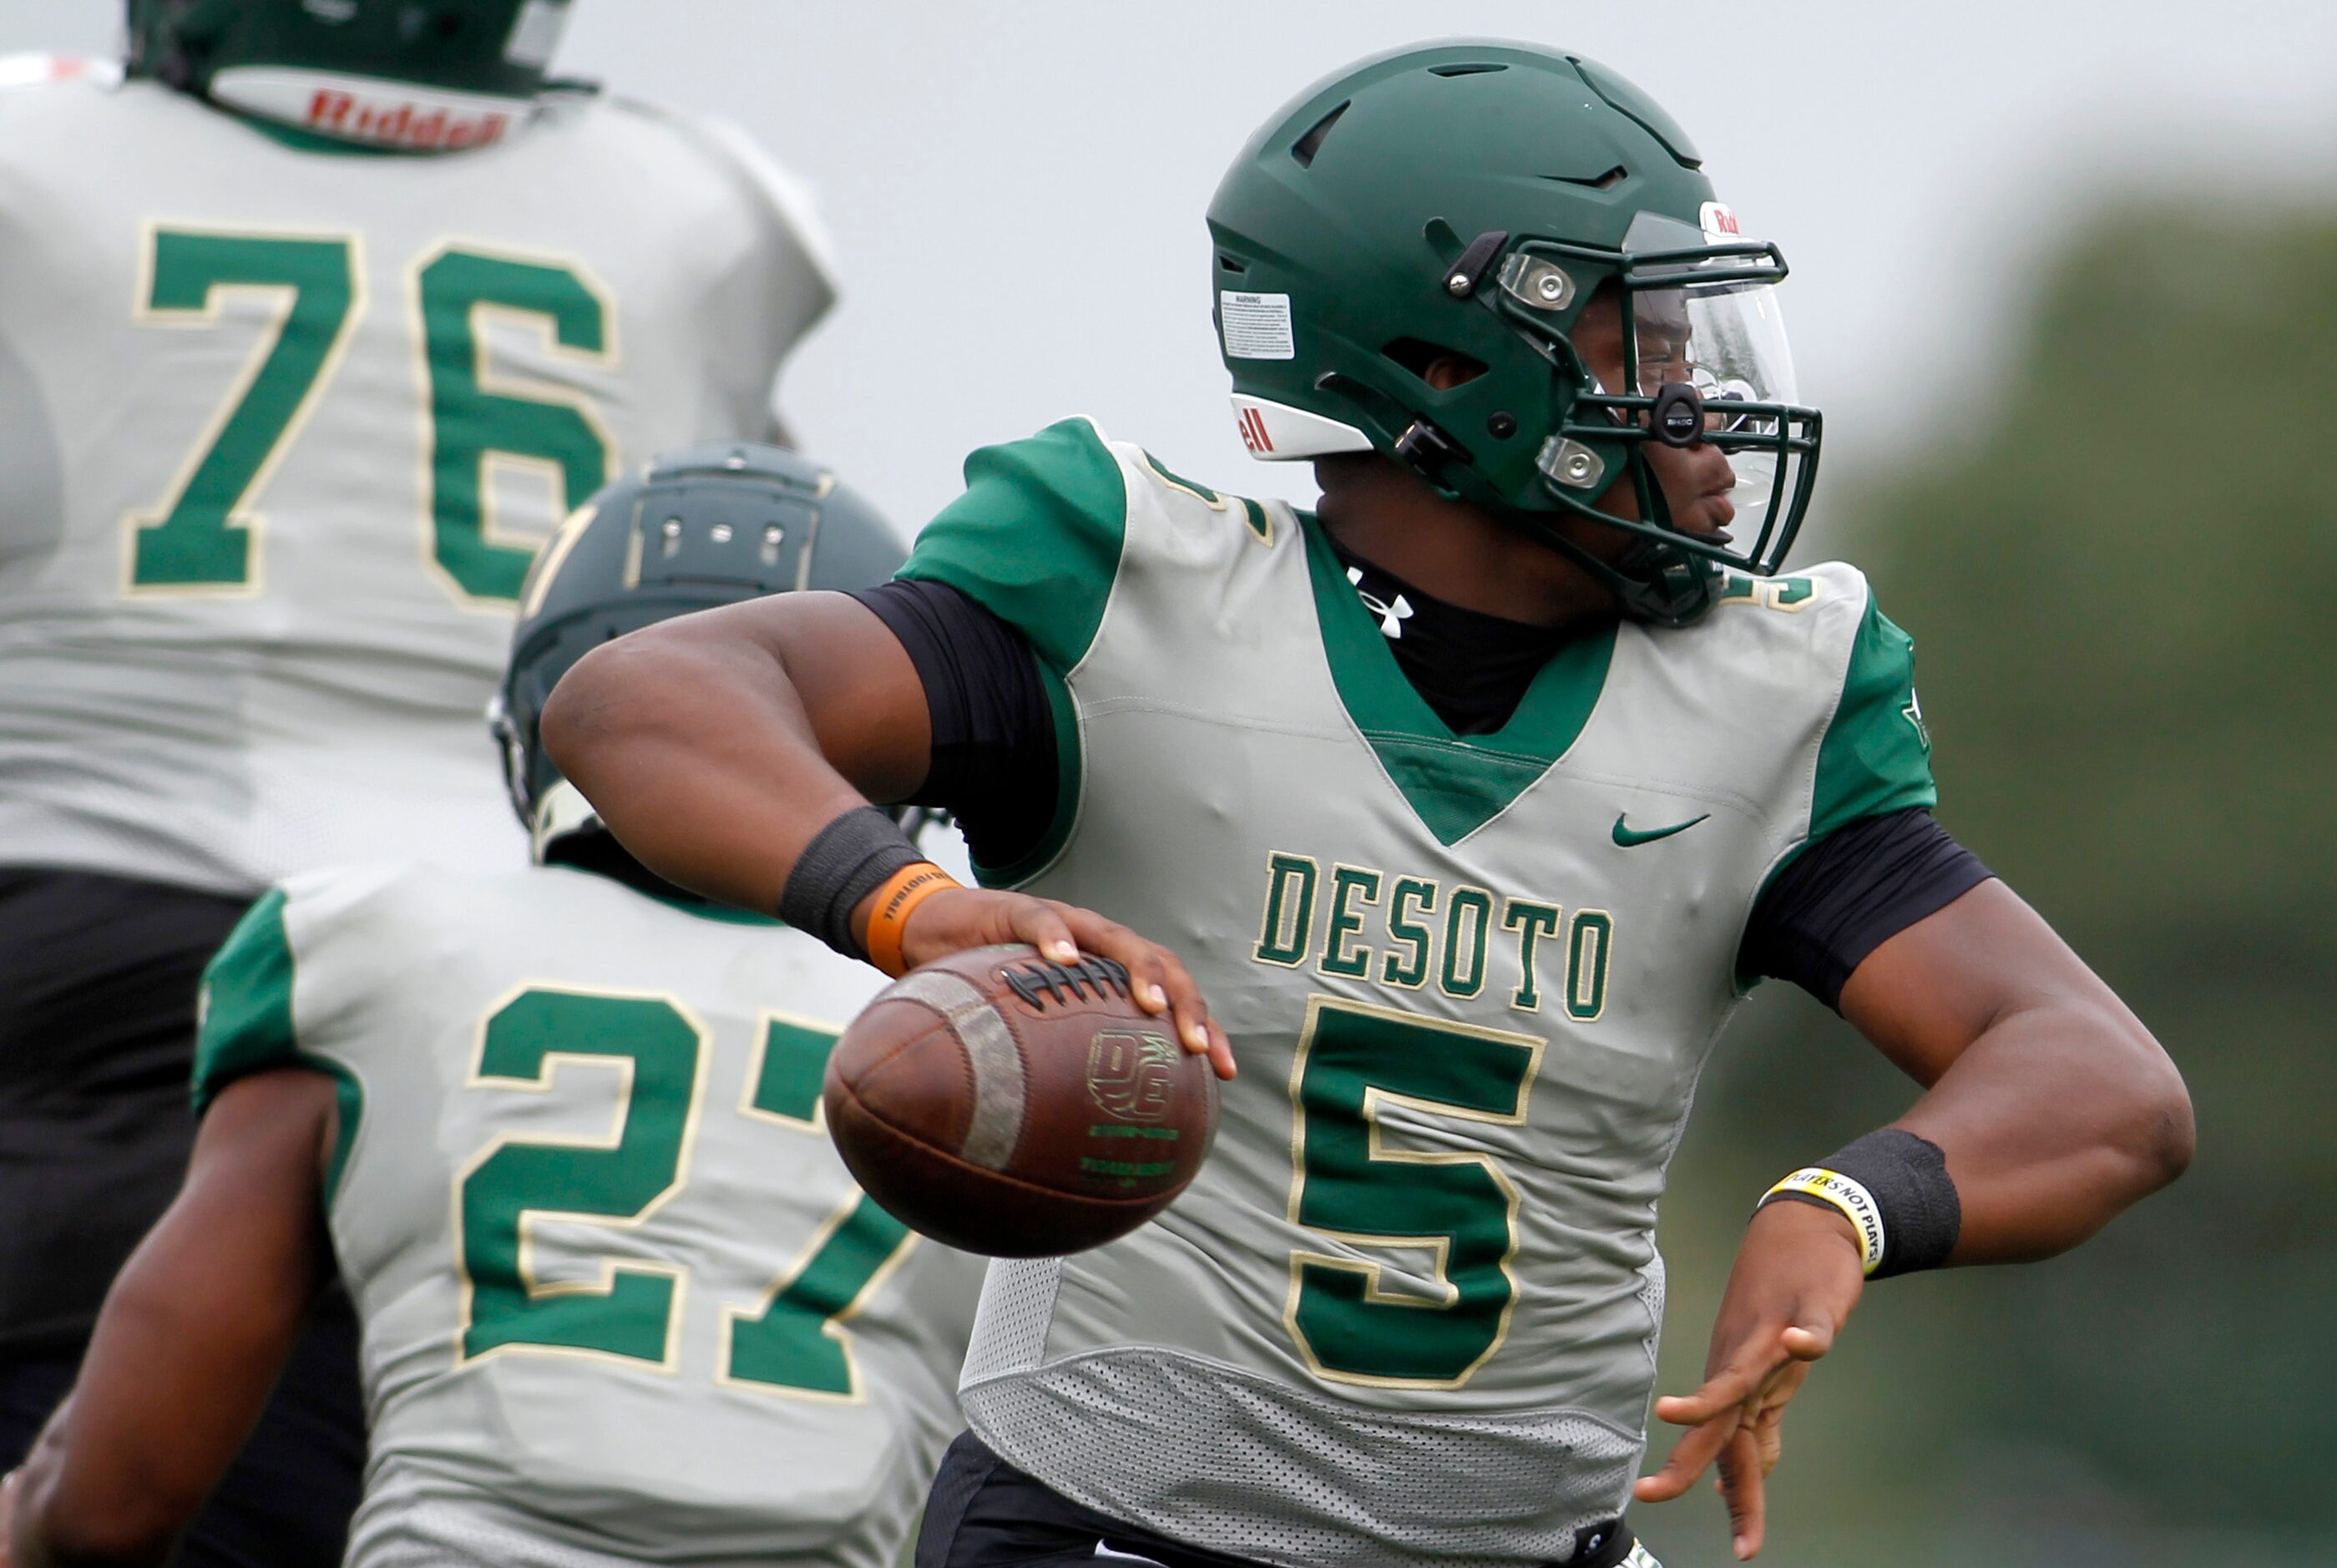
[[1697, 479]]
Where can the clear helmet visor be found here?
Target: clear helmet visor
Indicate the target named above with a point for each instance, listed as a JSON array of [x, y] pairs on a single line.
[[1727, 341], [1702, 313], [1706, 315]]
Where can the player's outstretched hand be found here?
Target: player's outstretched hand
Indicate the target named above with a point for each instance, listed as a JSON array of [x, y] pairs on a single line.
[[1796, 1279], [962, 917]]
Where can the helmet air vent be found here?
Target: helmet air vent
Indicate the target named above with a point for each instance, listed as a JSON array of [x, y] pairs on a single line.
[[1306, 146], [1607, 182], [1418, 358], [1477, 69], [1232, 264], [1632, 104]]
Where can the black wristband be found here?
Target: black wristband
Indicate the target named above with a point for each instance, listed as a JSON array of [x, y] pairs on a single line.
[[1907, 1177], [844, 863]]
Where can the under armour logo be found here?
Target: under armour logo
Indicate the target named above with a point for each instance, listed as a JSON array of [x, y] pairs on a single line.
[[1392, 616]]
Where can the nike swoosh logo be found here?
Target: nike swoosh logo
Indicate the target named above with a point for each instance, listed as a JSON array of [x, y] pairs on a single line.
[[1628, 839]]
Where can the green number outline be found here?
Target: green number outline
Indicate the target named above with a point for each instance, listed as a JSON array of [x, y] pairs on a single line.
[[457, 383], [799, 1325], [627, 1068], [1303, 1263], [803, 1315], [460, 546], [281, 360], [1791, 595]]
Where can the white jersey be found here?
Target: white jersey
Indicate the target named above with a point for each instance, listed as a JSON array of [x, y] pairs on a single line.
[[620, 1299], [281, 422], [1408, 1311]]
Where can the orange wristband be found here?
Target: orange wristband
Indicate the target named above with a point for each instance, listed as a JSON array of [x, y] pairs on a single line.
[[900, 893]]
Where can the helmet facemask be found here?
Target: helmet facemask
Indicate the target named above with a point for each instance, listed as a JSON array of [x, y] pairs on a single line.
[[1701, 361]]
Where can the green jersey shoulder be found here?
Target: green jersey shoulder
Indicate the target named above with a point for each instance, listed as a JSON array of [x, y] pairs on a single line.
[[1041, 537]]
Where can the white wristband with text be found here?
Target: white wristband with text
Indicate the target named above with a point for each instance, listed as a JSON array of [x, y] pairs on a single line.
[[1856, 1203]]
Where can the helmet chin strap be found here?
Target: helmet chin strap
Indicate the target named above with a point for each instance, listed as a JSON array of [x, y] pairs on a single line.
[[1653, 581]]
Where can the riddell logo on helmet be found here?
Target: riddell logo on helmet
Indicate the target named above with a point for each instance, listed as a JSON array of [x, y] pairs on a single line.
[[1718, 222], [1253, 430], [402, 124]]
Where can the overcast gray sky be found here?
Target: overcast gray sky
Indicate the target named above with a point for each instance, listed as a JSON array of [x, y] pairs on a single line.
[[1016, 189]]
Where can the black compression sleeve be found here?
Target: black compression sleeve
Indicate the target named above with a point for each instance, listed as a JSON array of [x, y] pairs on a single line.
[[1850, 892], [993, 736]]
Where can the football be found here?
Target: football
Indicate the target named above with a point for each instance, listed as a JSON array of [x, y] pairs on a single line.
[[1003, 1105]]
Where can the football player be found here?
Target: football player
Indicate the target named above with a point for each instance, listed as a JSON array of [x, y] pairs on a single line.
[[619, 1299], [309, 331], [1473, 802]]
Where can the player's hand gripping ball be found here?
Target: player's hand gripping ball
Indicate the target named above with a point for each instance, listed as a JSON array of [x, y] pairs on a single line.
[[1003, 1105]]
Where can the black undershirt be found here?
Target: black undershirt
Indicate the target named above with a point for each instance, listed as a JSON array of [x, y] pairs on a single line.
[[1471, 669], [994, 765]]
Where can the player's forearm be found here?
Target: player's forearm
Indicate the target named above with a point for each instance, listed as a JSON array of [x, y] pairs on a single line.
[[82, 1501], [49, 1531], [2059, 1116], [192, 1336], [694, 745], [33, 1489]]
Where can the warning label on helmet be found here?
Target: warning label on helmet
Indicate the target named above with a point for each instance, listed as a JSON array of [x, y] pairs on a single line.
[[1256, 325]]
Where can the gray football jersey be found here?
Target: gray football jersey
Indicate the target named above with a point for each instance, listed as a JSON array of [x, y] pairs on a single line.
[[618, 1297], [1408, 1310], [281, 422]]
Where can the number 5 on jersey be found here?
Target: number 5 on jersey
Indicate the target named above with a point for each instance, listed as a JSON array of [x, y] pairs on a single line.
[[208, 536], [1458, 1210]]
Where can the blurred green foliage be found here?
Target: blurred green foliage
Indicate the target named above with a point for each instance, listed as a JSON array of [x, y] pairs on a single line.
[[2117, 577]]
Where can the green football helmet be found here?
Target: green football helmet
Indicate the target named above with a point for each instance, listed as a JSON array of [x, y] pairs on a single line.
[[701, 527], [416, 74], [1467, 202]]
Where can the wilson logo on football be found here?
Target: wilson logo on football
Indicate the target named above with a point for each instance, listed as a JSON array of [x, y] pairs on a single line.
[[1253, 430], [1129, 1074]]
